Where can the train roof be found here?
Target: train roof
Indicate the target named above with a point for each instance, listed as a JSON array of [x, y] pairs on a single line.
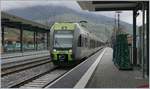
[[64, 25], [90, 34], [72, 26]]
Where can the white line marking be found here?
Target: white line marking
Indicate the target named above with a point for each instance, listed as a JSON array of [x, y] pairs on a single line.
[[66, 74], [85, 78]]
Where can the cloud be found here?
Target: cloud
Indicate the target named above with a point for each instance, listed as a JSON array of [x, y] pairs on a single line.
[[6, 5], [125, 16]]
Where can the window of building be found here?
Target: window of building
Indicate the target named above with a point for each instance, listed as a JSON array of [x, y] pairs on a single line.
[[11, 39]]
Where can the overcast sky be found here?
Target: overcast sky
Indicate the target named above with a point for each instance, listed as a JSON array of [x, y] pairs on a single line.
[[11, 4]]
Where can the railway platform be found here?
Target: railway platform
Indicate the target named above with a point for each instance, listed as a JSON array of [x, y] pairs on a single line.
[[17, 57], [107, 75], [99, 71]]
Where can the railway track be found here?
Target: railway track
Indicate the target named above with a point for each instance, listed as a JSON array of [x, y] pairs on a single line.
[[39, 72], [17, 73], [46, 79], [8, 69], [34, 73]]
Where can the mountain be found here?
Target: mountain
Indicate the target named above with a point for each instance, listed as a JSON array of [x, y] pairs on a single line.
[[98, 24]]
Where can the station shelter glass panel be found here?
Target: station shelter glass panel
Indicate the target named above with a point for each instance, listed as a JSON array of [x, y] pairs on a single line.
[[11, 39], [28, 40], [41, 39]]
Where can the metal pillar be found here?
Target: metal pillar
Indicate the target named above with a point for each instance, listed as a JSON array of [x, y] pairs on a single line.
[[115, 29], [2, 36], [115, 19], [36, 47], [134, 38], [34, 40], [21, 38], [143, 39], [2, 46], [147, 36], [118, 30], [48, 40], [118, 21]]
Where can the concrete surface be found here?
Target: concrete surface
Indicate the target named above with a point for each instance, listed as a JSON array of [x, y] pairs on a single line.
[[21, 54], [107, 75], [25, 57]]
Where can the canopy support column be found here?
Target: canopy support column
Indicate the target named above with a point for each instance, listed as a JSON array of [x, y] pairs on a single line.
[[147, 34], [134, 38]]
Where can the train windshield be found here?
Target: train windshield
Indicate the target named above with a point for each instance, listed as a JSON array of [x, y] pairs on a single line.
[[63, 39]]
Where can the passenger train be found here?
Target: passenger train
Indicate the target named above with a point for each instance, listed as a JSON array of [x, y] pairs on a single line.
[[70, 43]]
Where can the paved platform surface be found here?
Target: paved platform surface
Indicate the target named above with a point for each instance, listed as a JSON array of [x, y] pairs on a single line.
[[70, 79], [24, 57], [107, 75], [20, 54]]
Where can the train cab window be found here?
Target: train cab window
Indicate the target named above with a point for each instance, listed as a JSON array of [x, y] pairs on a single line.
[[79, 41], [63, 39]]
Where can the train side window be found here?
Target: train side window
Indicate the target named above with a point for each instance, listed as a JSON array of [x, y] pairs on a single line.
[[83, 41], [86, 42], [79, 41], [90, 43], [100, 44], [94, 43]]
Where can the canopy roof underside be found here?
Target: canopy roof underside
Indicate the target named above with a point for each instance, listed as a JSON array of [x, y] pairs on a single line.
[[110, 5]]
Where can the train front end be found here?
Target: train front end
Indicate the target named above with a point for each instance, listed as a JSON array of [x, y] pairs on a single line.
[[62, 43]]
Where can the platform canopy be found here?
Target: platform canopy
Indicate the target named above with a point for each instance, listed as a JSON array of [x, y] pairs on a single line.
[[12, 20], [110, 5]]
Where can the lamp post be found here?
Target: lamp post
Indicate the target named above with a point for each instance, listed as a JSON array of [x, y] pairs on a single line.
[[118, 25]]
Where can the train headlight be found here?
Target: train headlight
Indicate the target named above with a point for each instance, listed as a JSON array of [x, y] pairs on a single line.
[[54, 50], [70, 50]]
